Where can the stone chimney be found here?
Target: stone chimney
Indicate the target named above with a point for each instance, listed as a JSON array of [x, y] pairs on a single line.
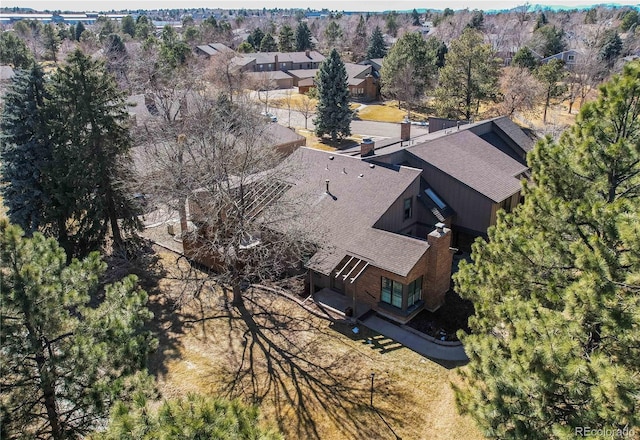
[[439, 261], [367, 147], [405, 130]]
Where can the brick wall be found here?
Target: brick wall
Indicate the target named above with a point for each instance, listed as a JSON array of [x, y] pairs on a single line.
[[439, 275]]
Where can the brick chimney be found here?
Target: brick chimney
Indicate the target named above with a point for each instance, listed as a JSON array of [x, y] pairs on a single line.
[[275, 61], [307, 53], [367, 147], [405, 130], [439, 261]]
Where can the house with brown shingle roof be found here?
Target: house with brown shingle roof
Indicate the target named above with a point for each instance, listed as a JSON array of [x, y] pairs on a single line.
[[363, 218], [469, 172]]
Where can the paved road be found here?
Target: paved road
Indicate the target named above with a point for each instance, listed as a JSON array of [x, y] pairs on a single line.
[[362, 128]]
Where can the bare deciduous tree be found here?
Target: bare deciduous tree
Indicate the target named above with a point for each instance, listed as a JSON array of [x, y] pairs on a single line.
[[520, 90], [226, 76], [306, 107], [220, 159]]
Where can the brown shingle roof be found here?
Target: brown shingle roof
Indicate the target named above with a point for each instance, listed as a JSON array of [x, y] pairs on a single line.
[[515, 133], [342, 221], [469, 159]]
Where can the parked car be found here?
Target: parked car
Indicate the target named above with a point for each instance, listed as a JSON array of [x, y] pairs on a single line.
[[270, 116]]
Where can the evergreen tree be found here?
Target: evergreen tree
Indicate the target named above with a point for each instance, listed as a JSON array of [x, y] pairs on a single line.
[[303, 37], [192, 417], [14, 51], [377, 48], [359, 42], [440, 49], [173, 50], [556, 336], [255, 38], [550, 75], [415, 17], [631, 18], [51, 41], [79, 30], [408, 68], [91, 160], [391, 22], [245, 47], [286, 41], [332, 33], [128, 26], [477, 20], [541, 21], [144, 28], [25, 150], [549, 40], [525, 58], [591, 17], [268, 44], [469, 76], [610, 47], [64, 358], [333, 115]]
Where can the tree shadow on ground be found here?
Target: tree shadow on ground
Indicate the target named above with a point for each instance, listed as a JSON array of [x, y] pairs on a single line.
[[383, 344], [167, 288], [339, 144], [367, 337], [282, 359]]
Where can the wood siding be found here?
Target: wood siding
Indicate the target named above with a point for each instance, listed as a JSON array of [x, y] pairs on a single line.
[[473, 211], [393, 219]]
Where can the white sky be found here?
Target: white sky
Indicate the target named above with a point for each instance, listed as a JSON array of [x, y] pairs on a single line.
[[346, 5]]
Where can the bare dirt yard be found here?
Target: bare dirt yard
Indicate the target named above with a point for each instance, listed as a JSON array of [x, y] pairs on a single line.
[[309, 374]]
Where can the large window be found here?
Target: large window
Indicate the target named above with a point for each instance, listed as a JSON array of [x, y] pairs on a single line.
[[407, 208], [414, 292], [391, 292]]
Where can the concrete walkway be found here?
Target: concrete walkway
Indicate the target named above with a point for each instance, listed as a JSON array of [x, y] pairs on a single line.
[[415, 342]]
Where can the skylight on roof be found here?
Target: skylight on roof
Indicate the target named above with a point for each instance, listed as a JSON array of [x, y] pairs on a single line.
[[437, 200]]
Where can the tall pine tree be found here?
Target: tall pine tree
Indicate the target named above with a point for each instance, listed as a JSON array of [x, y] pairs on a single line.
[[469, 76], [193, 417], [92, 166], [333, 115], [286, 40], [66, 355], [25, 151], [556, 332], [303, 37], [377, 48]]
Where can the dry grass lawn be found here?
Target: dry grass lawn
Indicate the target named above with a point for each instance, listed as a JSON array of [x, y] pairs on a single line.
[[309, 375], [387, 112], [382, 113], [295, 100], [326, 144]]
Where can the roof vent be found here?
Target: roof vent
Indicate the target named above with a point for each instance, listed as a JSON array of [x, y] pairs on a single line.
[[371, 165], [361, 175], [327, 186], [344, 171], [330, 157]]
